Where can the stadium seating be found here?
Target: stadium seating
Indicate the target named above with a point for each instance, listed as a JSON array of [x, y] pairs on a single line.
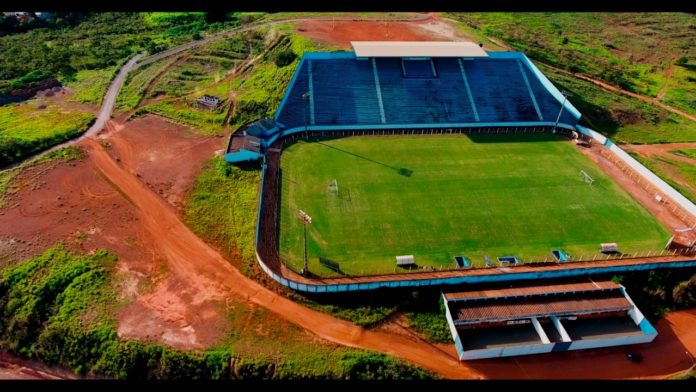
[[345, 92]]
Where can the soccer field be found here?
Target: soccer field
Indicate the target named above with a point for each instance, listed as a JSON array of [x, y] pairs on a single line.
[[436, 197]]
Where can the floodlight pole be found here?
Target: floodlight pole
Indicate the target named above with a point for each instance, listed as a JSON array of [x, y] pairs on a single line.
[[565, 98], [305, 220], [305, 97], [305, 267]]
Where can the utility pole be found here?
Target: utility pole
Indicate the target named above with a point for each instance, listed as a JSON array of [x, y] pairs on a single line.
[[565, 98]]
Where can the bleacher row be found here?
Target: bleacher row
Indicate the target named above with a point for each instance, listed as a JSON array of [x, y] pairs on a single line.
[[345, 92]]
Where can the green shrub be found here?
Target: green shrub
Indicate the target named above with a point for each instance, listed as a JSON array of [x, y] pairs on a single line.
[[373, 366], [284, 57]]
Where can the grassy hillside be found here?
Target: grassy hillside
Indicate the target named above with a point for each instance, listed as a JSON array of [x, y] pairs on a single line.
[[680, 175], [222, 206], [100, 40], [620, 117], [90, 85], [264, 60], [25, 129], [635, 51]]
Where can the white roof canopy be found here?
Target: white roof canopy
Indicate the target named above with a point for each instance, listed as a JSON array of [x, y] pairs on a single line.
[[417, 49]]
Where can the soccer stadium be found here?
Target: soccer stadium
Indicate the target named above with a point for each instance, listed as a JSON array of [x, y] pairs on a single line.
[[405, 164]]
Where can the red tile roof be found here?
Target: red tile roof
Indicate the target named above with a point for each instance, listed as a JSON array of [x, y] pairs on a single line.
[[465, 312], [534, 290]]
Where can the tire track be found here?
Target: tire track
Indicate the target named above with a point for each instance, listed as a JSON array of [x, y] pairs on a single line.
[[194, 261]]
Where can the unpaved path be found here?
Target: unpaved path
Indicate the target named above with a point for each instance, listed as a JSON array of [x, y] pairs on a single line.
[[15, 368], [668, 76], [664, 150], [190, 258], [194, 260], [614, 89]]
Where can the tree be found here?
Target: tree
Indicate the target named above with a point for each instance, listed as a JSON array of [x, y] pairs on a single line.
[[284, 57], [684, 293]]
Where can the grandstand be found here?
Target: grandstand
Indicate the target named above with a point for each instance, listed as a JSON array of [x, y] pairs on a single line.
[[540, 318], [450, 88], [342, 91]]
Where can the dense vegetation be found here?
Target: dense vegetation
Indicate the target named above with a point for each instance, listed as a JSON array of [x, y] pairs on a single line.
[[100, 40], [24, 129], [57, 308], [634, 51], [659, 291]]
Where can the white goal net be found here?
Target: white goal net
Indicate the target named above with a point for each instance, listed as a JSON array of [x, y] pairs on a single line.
[[586, 177]]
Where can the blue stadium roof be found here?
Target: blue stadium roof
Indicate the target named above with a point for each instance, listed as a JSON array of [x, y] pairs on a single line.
[[337, 90]]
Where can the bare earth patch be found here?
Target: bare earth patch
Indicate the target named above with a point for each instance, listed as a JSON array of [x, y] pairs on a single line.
[[340, 33], [165, 156]]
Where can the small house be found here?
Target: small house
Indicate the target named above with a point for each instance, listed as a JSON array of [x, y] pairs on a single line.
[[208, 102]]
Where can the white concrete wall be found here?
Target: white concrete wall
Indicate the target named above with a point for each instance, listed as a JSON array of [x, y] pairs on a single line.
[[618, 341], [450, 322], [678, 198], [507, 351]]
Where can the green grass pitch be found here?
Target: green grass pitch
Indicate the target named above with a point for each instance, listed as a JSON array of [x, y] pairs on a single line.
[[437, 197]]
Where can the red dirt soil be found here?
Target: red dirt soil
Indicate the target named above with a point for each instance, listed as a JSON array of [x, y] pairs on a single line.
[[340, 33], [14, 368], [192, 259], [173, 157], [72, 202], [665, 356], [192, 281], [647, 150]]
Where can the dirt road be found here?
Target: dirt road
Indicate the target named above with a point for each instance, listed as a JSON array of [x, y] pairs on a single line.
[[14, 368], [647, 150], [192, 259], [614, 89]]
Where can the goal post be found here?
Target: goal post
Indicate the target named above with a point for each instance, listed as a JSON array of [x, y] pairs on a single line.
[[586, 177], [333, 187]]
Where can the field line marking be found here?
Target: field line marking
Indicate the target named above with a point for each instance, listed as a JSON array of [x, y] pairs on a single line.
[[311, 93], [529, 88], [468, 90], [379, 91]]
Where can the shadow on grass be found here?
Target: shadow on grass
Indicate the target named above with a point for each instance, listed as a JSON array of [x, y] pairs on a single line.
[[399, 170], [593, 116], [248, 165], [513, 137]]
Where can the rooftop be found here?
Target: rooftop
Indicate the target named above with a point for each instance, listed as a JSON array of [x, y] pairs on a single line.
[[417, 49], [557, 305], [534, 289]]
